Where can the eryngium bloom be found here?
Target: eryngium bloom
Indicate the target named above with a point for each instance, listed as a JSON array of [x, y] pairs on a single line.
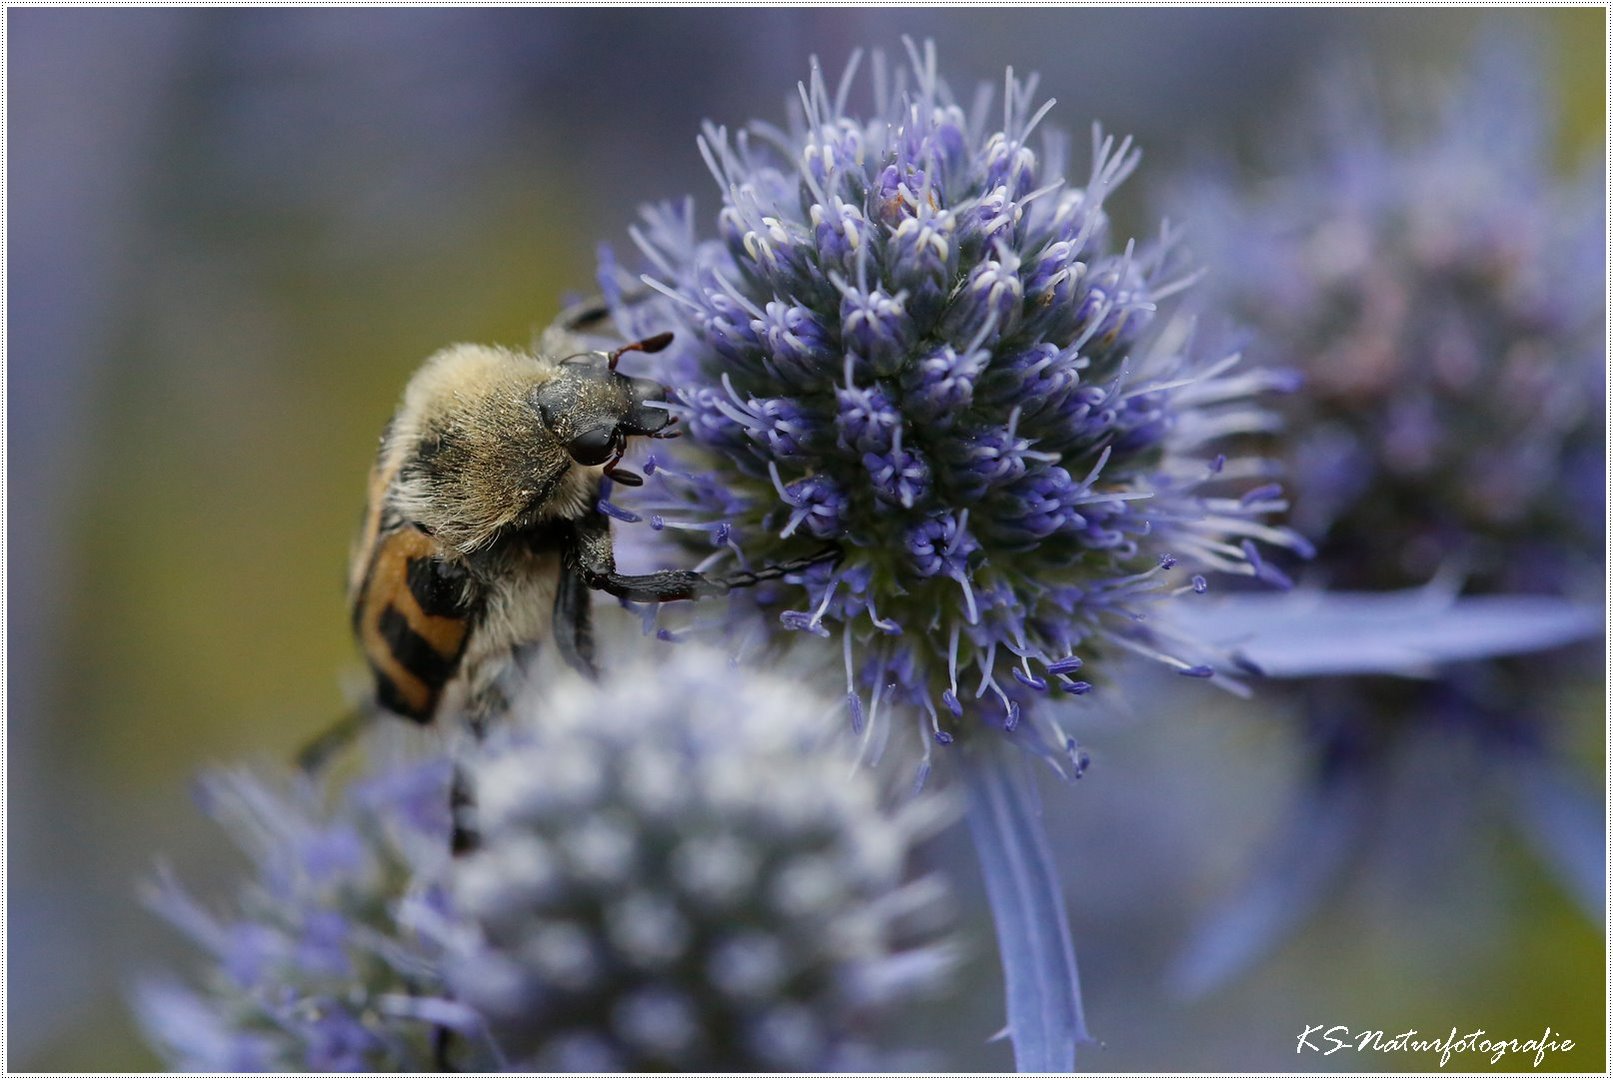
[[312, 971], [1441, 287], [677, 872], [914, 339]]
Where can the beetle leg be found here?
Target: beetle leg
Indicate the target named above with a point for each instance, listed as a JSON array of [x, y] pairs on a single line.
[[593, 559], [741, 579], [321, 748], [573, 623]]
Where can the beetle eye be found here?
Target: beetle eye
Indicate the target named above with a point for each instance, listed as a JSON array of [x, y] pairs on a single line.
[[594, 446]]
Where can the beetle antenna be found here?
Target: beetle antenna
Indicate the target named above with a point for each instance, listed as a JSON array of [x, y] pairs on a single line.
[[651, 344]]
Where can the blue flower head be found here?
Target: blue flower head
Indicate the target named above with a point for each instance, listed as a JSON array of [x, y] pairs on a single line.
[[1440, 284], [909, 339], [1441, 287], [678, 871], [312, 969]]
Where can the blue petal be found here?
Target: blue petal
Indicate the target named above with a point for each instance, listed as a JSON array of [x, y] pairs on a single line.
[[1302, 863], [1410, 632], [194, 1034], [1027, 905], [1565, 822]]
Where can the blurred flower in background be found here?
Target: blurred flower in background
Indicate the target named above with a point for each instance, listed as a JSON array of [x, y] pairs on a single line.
[[229, 249], [314, 972], [1419, 255], [682, 871], [678, 871], [1438, 281]]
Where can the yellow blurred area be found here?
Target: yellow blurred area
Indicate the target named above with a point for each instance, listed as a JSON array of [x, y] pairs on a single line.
[[209, 609], [1581, 42]]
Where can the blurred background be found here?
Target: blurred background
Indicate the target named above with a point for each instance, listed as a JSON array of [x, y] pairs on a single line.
[[233, 236]]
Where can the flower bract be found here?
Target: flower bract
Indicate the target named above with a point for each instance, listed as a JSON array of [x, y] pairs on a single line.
[[909, 340]]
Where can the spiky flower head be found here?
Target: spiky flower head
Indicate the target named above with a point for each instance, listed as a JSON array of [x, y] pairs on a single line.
[[311, 970], [679, 872], [1441, 286], [911, 339]]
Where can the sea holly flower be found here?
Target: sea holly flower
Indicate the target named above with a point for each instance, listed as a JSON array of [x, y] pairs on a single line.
[[911, 353], [909, 340], [1441, 286], [680, 871], [312, 970]]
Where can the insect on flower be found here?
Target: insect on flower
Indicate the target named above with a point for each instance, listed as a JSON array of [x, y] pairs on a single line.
[[482, 532]]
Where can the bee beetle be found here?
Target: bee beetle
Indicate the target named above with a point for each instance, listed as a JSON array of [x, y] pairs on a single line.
[[482, 532]]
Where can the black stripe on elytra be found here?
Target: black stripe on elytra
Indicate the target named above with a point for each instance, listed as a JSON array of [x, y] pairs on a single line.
[[438, 587], [414, 652], [390, 698]]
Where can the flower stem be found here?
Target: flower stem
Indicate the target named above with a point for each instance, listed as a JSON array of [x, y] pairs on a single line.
[[1027, 905]]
